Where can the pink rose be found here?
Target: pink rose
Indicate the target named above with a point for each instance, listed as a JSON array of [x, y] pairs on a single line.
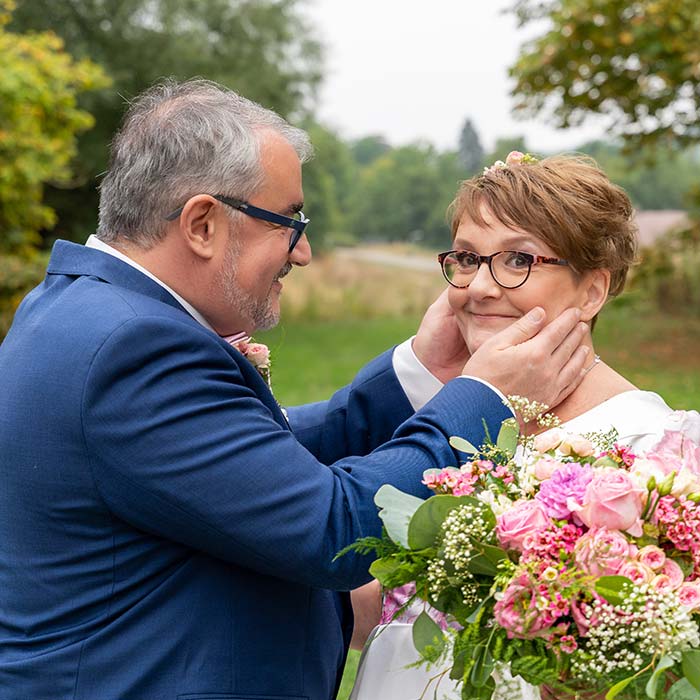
[[661, 582], [549, 440], [689, 595], [517, 610], [602, 552], [545, 467], [258, 355], [636, 572], [583, 615], [524, 518], [514, 158], [652, 556], [674, 573], [575, 444], [612, 500]]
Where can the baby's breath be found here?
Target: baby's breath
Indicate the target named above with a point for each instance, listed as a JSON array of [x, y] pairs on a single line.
[[461, 526], [533, 410], [622, 639]]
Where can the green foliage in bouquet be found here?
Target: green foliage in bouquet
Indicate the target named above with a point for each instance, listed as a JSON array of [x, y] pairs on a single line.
[[609, 634]]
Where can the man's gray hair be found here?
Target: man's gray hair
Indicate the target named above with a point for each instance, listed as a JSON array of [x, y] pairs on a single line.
[[178, 140]]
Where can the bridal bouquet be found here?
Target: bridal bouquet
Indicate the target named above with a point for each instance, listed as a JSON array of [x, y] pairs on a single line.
[[567, 558]]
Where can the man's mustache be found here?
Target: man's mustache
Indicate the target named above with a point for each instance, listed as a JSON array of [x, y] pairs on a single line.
[[284, 272]]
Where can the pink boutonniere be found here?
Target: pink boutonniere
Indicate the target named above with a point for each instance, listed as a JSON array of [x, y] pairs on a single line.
[[258, 354]]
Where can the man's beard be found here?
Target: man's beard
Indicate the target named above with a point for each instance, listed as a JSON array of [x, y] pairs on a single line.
[[258, 312]]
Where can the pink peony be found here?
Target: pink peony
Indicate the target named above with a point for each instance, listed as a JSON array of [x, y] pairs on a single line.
[[652, 556], [612, 500], [689, 595], [563, 492], [524, 518], [517, 611], [602, 552]]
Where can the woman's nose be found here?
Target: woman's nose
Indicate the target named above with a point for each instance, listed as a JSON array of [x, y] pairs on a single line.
[[483, 284]]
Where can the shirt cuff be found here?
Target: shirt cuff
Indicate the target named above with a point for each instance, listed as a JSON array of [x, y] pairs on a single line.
[[418, 383]]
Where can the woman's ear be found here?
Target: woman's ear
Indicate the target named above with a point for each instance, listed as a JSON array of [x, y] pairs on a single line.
[[595, 286]]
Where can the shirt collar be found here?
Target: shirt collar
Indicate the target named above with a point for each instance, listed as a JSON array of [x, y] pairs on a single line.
[[94, 242]]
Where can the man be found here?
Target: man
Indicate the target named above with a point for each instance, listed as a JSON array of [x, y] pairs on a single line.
[[163, 532]]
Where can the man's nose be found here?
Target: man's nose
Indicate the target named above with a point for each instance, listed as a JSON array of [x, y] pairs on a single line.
[[301, 255]]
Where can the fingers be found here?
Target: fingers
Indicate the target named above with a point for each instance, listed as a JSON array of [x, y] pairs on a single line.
[[558, 331], [522, 330], [572, 373], [569, 345]]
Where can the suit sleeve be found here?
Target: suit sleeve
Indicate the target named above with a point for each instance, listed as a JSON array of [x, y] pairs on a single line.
[[179, 446], [358, 418]]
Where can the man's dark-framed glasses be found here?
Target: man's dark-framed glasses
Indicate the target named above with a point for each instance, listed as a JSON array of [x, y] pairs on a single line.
[[297, 223], [510, 269]]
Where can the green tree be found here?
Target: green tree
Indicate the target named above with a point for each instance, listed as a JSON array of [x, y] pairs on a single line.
[[471, 152], [329, 182], [403, 195], [368, 148], [39, 121], [636, 61], [261, 48]]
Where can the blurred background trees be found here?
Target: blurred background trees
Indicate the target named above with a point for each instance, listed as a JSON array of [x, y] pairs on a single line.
[[70, 67]]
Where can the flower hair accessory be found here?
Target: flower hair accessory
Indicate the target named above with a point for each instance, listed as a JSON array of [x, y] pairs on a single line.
[[513, 158]]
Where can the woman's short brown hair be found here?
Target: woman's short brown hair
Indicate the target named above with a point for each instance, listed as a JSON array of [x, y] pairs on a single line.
[[568, 202]]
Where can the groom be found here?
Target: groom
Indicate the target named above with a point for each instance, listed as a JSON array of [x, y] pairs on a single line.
[[165, 533]]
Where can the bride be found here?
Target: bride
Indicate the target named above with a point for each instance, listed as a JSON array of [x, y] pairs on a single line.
[[553, 233]]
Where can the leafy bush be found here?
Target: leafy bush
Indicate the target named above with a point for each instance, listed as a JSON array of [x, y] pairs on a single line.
[[17, 277]]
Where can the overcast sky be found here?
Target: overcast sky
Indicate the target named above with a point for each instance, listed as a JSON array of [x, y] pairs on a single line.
[[415, 69]]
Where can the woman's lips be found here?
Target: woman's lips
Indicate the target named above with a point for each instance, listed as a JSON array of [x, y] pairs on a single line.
[[491, 318]]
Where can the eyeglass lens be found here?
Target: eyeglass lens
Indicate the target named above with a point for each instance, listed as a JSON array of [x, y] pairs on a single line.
[[508, 268]]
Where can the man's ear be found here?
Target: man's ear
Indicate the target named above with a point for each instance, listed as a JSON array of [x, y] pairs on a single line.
[[199, 222], [595, 287]]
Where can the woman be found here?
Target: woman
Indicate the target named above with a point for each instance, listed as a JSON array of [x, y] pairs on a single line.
[[553, 233]]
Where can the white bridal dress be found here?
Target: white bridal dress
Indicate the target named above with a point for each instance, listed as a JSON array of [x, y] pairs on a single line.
[[385, 671]]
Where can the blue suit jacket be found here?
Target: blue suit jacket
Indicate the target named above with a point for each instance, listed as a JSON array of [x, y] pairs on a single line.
[[163, 533]]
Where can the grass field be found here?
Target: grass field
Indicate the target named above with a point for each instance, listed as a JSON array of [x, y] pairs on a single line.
[[330, 330], [656, 352]]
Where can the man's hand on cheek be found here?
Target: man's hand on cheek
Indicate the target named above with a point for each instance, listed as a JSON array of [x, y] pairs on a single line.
[[541, 364], [439, 344]]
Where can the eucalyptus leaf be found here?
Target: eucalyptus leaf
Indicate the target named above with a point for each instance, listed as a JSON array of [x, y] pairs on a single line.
[[665, 662], [486, 562], [425, 524], [428, 638], [396, 510], [690, 662], [611, 588], [508, 436], [462, 445], [682, 690]]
